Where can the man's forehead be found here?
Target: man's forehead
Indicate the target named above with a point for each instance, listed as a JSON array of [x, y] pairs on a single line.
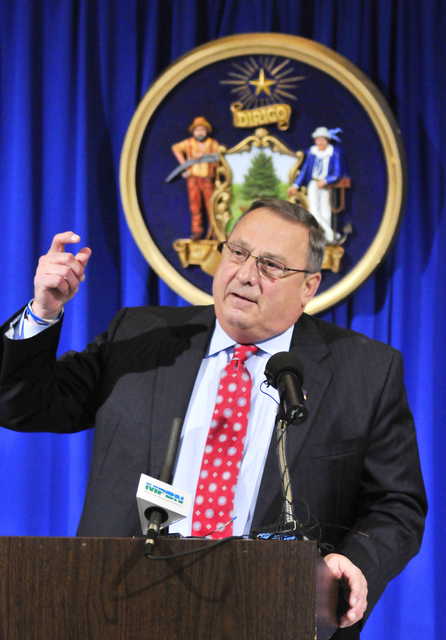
[[252, 233], [268, 252]]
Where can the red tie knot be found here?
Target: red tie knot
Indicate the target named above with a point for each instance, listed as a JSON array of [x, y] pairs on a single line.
[[243, 351]]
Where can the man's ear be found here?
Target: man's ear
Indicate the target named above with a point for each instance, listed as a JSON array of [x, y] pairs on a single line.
[[311, 285]]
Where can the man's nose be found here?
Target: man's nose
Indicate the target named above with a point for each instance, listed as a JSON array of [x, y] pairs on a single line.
[[248, 271]]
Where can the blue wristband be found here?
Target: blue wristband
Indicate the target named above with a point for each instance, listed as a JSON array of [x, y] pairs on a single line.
[[37, 319]]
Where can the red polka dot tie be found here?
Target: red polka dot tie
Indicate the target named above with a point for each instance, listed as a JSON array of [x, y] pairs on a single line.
[[223, 452]]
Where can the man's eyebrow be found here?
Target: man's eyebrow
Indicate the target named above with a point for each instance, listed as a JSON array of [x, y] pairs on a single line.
[[266, 254], [274, 256]]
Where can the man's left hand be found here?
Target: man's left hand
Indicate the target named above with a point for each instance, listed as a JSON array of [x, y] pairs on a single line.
[[342, 568]]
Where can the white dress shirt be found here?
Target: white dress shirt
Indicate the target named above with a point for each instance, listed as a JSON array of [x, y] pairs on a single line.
[[264, 405]]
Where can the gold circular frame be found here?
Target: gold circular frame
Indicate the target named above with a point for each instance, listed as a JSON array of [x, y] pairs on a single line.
[[302, 50]]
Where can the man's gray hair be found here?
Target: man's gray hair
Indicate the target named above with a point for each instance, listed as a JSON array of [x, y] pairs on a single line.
[[296, 213]]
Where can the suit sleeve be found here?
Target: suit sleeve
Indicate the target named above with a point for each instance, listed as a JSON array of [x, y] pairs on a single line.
[[392, 502], [40, 393]]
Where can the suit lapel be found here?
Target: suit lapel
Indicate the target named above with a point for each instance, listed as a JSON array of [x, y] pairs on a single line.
[[174, 383], [313, 355]]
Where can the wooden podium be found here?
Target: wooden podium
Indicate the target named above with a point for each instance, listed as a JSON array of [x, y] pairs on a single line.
[[104, 589]]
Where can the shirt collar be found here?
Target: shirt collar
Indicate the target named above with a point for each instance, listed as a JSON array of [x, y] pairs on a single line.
[[220, 341]]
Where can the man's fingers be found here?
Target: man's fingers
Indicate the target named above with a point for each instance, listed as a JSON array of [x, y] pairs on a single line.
[[54, 282], [343, 568], [354, 613], [60, 262], [59, 275], [358, 589], [357, 605], [61, 239], [71, 274], [83, 256]]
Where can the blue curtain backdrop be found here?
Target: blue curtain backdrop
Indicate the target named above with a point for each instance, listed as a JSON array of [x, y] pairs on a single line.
[[72, 74]]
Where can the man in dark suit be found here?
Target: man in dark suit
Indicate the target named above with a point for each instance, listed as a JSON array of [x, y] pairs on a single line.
[[353, 462]]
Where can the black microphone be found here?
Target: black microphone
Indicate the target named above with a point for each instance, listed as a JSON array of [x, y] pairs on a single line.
[[283, 372]]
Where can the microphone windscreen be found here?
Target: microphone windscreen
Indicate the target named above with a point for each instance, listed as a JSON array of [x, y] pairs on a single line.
[[280, 363]]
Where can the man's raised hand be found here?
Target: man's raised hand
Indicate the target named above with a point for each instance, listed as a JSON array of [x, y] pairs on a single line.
[[58, 276]]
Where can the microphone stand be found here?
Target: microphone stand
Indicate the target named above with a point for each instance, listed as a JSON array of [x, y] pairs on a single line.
[[296, 413], [288, 515], [283, 372], [156, 515]]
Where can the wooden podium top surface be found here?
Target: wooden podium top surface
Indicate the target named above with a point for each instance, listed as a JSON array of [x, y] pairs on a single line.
[[84, 588]]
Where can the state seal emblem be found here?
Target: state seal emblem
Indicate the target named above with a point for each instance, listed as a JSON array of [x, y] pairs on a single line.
[[257, 115]]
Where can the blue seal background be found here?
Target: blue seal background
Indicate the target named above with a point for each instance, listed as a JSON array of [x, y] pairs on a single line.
[[321, 101]]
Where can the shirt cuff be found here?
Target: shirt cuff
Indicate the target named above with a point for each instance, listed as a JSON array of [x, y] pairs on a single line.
[[28, 324]]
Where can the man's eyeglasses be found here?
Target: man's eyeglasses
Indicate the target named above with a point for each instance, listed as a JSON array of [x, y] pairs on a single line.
[[266, 266]]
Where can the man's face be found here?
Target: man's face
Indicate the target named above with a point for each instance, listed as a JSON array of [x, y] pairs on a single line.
[[200, 133], [321, 143], [249, 306]]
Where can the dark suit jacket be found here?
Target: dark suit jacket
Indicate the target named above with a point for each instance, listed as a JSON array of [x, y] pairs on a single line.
[[354, 461]]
